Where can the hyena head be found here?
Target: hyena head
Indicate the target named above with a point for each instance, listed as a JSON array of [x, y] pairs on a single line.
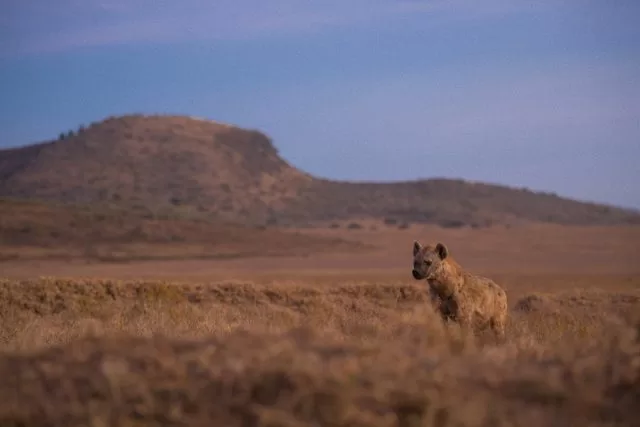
[[428, 261]]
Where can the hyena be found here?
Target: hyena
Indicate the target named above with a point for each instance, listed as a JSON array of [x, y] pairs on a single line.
[[473, 301]]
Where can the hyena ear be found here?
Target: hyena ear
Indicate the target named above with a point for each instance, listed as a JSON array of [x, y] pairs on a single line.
[[416, 247], [442, 251]]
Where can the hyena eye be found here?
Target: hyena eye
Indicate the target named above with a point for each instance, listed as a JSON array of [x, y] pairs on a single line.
[[427, 262]]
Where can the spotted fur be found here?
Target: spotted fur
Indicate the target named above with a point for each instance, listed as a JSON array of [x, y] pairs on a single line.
[[473, 301]]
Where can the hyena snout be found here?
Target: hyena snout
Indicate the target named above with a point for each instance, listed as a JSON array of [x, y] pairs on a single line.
[[417, 274]]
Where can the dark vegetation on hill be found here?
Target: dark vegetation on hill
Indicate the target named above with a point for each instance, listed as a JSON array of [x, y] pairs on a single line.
[[192, 167], [31, 229]]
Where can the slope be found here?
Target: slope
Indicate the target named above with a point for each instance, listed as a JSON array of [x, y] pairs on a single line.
[[193, 167]]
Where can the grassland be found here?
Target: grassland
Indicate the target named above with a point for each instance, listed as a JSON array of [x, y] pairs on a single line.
[[31, 230], [327, 339]]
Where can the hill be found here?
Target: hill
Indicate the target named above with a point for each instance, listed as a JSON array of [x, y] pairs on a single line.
[[43, 230], [193, 167]]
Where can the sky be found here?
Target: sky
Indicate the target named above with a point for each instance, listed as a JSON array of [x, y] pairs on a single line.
[[544, 94]]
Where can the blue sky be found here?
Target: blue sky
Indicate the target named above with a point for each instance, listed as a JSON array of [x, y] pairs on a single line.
[[540, 94]]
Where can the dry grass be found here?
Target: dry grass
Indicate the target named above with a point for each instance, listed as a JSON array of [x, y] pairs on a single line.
[[328, 339], [35, 230], [131, 353]]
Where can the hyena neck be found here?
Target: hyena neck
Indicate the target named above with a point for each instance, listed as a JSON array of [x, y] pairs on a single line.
[[448, 280], [452, 269], [445, 287]]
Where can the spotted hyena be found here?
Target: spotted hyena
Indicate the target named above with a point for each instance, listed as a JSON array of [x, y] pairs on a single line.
[[472, 301]]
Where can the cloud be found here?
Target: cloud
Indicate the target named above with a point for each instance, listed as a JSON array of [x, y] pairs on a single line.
[[39, 25]]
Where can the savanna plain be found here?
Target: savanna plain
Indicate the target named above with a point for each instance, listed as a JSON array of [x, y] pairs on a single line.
[[340, 337]]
